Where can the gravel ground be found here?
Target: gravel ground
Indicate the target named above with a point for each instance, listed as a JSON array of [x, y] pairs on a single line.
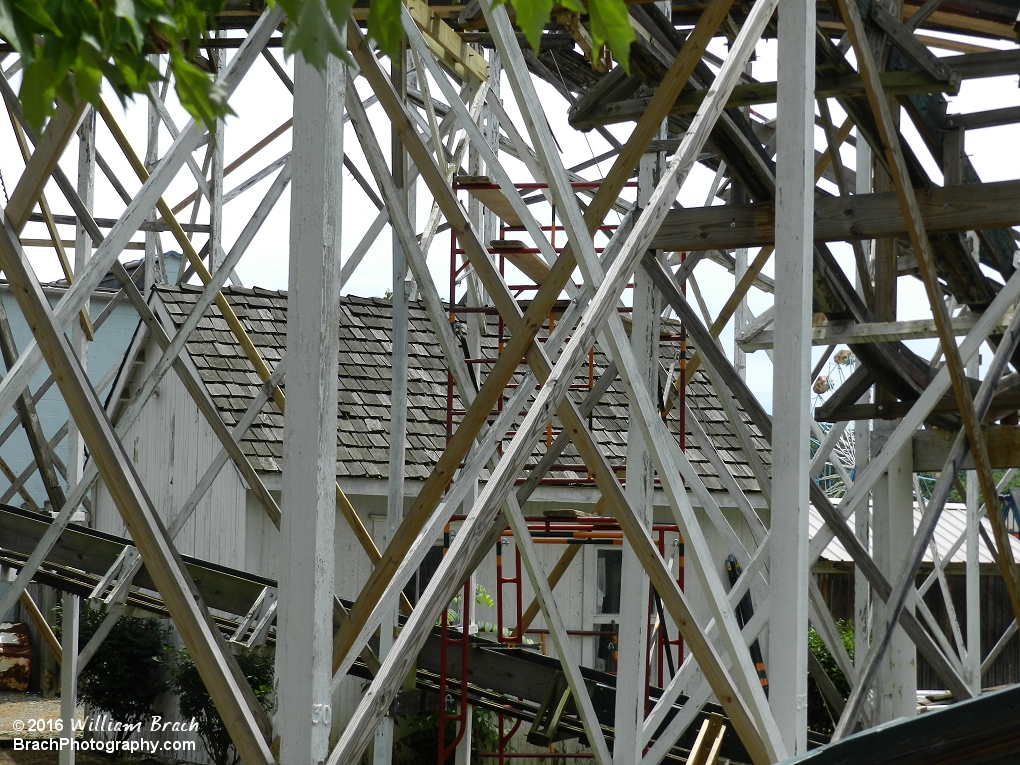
[[10, 757], [18, 708], [22, 707]]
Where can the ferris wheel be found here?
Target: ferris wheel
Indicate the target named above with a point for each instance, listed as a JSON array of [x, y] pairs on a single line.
[[839, 367]]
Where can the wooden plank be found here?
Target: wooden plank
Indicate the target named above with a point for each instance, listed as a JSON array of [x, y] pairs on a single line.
[[993, 64], [931, 448], [860, 216], [841, 86], [447, 44], [44, 159], [706, 748], [489, 194], [967, 23], [847, 332], [42, 625], [990, 118]]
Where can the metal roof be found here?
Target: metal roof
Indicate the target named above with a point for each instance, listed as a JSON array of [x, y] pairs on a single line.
[[949, 535]]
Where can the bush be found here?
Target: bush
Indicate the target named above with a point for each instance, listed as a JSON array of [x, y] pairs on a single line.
[[418, 736], [195, 702], [820, 717], [126, 674]]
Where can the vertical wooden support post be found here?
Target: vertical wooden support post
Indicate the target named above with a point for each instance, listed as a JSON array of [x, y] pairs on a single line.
[[68, 672], [972, 581], [153, 262], [788, 573], [741, 312], [632, 646], [382, 751], [216, 253], [75, 442], [862, 451], [305, 638], [893, 522]]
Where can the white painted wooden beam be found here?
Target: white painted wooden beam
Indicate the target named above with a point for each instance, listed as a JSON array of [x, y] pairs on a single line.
[[305, 623], [788, 571]]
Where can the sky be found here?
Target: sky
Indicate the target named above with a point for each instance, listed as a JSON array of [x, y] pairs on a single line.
[[262, 103]]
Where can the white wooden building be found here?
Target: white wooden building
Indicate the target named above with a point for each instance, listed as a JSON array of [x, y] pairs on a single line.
[[172, 445]]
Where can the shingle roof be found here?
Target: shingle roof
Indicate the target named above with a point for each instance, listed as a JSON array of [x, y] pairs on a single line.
[[364, 390]]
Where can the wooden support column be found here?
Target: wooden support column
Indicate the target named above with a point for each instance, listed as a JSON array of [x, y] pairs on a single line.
[[75, 443], [862, 448], [741, 312], [972, 581], [68, 671], [304, 637], [893, 521], [382, 751], [632, 647], [788, 572], [153, 250], [216, 253]]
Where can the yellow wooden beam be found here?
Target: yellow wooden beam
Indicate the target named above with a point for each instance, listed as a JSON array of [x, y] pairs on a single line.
[[446, 44]]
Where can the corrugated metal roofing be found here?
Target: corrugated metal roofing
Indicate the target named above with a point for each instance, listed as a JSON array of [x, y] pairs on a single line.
[[949, 533], [364, 389]]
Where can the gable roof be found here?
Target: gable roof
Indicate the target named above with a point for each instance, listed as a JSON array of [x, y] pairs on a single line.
[[364, 390]]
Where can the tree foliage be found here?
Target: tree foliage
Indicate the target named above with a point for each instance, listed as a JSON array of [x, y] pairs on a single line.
[[69, 47], [126, 674]]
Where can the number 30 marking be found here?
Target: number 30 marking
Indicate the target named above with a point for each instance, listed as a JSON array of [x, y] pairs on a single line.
[[321, 714]]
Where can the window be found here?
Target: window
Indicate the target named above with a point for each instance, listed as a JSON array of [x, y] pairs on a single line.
[[608, 571]]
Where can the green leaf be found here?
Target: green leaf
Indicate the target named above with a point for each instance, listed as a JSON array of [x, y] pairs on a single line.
[[532, 16], [34, 10], [384, 25], [38, 89], [197, 91], [126, 9], [8, 30], [312, 32], [610, 23], [88, 75]]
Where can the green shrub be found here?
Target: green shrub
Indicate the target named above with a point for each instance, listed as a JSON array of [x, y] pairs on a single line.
[[417, 736], [820, 717], [125, 676], [196, 703]]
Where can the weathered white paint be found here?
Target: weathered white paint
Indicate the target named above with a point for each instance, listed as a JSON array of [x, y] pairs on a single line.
[[788, 572], [893, 529]]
